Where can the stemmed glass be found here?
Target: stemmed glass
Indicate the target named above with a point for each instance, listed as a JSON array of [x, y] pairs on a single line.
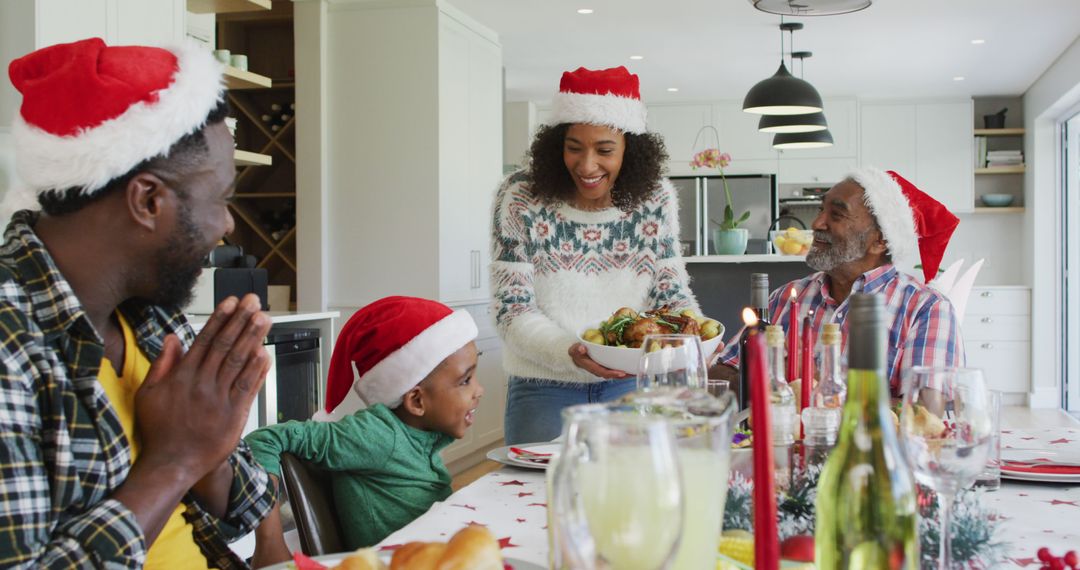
[[671, 361], [617, 493], [946, 431]]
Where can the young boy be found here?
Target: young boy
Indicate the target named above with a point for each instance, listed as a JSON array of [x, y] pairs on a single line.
[[416, 361]]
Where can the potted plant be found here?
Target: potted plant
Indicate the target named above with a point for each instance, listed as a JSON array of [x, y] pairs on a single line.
[[728, 237]]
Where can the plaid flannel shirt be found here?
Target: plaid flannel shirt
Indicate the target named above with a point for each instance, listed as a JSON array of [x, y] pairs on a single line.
[[923, 332], [63, 451]]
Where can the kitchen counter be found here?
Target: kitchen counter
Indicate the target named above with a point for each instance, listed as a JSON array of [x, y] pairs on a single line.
[[751, 258]]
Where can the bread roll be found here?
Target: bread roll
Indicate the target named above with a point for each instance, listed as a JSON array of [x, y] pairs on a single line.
[[472, 548], [418, 556], [362, 559]]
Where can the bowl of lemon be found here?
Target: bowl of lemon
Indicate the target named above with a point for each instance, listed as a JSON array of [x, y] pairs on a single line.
[[791, 241]]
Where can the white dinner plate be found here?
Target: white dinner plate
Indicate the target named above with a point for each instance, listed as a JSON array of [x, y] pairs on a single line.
[[331, 560], [1042, 456], [504, 456]]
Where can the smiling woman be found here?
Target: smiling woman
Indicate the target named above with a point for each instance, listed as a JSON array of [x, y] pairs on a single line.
[[589, 226]]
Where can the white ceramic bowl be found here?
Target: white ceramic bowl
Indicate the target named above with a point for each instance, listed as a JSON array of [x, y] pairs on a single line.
[[626, 359]]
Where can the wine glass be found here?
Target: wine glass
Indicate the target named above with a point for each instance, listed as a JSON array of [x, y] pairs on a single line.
[[617, 492], [671, 361], [946, 432]]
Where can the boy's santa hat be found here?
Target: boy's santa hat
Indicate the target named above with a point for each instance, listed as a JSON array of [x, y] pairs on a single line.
[[910, 220], [394, 343], [608, 97], [91, 112]]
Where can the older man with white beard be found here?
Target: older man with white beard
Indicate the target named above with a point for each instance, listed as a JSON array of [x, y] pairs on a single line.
[[869, 223]]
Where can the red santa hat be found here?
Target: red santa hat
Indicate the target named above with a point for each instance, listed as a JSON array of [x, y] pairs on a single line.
[[394, 343], [910, 219], [608, 97], [91, 112]]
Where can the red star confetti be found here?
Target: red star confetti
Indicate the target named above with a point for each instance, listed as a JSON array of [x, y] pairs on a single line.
[[1057, 502], [520, 520], [475, 523], [520, 495], [1028, 438], [1061, 440], [1006, 431], [1022, 494], [505, 543], [515, 482], [390, 547], [537, 505], [470, 507], [1023, 561]]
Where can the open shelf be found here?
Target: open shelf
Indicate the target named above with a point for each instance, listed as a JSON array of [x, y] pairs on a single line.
[[1008, 210], [223, 6], [240, 79], [1018, 169], [246, 158], [999, 132]]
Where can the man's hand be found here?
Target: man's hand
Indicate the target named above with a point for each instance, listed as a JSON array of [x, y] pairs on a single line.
[[192, 407], [580, 355]]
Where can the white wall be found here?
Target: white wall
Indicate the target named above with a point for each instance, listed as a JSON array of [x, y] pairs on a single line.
[[1054, 94]]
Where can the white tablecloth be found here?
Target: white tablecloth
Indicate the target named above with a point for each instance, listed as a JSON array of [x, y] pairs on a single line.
[[511, 502]]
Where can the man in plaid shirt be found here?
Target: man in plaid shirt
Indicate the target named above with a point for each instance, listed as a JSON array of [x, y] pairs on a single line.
[[868, 224], [121, 428]]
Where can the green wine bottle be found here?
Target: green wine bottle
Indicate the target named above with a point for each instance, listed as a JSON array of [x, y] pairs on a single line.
[[866, 516]]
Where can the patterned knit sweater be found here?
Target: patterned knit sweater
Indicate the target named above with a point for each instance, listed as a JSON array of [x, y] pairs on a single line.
[[557, 270]]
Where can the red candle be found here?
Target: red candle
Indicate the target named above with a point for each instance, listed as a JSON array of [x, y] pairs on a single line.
[[793, 338], [766, 536], [807, 364]]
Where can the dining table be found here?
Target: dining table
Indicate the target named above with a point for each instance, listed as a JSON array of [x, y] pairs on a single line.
[[512, 501]]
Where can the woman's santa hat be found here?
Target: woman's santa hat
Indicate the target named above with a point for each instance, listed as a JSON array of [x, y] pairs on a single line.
[[608, 97], [91, 113], [394, 343], [910, 219]]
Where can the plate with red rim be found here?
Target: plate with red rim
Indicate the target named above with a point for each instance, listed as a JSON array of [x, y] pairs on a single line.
[[1041, 465], [525, 455]]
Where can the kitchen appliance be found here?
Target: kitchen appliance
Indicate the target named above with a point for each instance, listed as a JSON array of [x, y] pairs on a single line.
[[291, 391], [701, 209], [228, 272]]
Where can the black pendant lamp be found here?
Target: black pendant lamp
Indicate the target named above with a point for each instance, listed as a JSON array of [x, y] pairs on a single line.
[[816, 139], [806, 123], [783, 93]]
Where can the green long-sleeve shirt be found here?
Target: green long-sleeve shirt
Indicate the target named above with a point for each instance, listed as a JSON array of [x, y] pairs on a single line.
[[384, 473]]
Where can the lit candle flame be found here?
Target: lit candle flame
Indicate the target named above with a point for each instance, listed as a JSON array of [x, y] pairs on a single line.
[[749, 317], [792, 292]]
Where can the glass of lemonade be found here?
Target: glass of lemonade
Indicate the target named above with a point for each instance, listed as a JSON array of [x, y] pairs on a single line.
[[625, 514]]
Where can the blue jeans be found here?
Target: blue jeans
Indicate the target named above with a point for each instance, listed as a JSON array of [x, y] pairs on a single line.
[[534, 405]]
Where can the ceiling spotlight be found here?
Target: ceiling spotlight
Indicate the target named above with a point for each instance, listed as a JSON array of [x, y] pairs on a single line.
[[810, 7], [585, 11], [673, 89], [958, 78], [637, 57], [978, 42]]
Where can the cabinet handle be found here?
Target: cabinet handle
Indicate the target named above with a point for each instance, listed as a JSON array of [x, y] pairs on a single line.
[[986, 346], [986, 294], [986, 320], [474, 269]]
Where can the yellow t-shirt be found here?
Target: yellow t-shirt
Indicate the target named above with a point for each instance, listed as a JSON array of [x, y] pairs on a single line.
[[175, 547]]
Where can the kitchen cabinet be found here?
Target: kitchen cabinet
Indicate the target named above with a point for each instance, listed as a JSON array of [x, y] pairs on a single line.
[[997, 336], [679, 125], [118, 22], [412, 154], [488, 426], [929, 143]]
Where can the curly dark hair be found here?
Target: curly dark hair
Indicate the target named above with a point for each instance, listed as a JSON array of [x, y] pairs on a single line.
[[185, 155], [644, 163]]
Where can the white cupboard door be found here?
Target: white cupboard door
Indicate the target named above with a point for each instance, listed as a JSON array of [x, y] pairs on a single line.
[[489, 372], [679, 125], [455, 136], [887, 138], [842, 116], [485, 156], [64, 21], [944, 139], [149, 22], [739, 134], [814, 171], [1006, 364]]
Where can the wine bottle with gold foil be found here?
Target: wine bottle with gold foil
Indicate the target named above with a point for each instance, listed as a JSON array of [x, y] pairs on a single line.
[[866, 517]]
